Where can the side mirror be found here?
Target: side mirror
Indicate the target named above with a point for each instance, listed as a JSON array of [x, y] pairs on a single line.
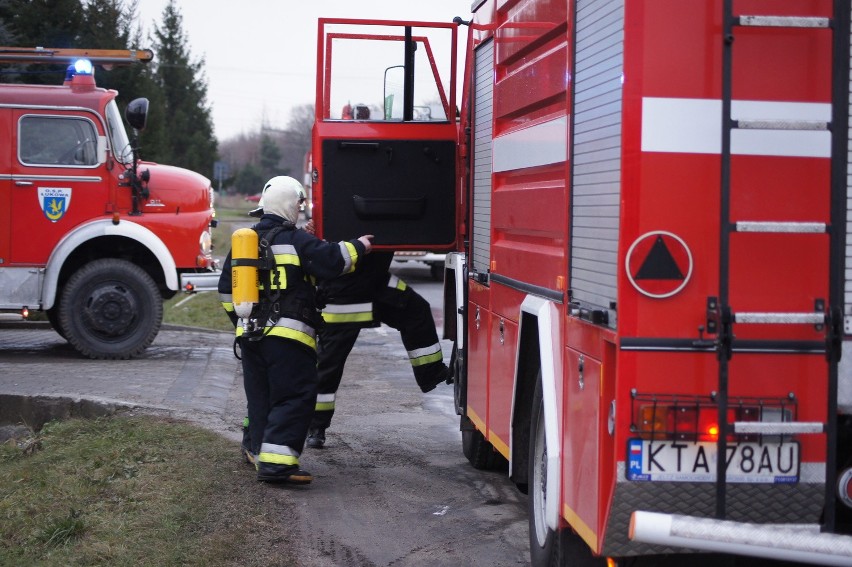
[[136, 113]]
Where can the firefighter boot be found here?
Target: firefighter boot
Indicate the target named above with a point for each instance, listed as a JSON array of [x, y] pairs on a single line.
[[316, 438], [282, 474]]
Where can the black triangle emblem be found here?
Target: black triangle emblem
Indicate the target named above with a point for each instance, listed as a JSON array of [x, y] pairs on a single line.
[[659, 264]]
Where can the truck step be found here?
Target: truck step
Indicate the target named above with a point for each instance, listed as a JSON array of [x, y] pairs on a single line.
[[778, 427], [780, 318], [783, 21], [781, 227]]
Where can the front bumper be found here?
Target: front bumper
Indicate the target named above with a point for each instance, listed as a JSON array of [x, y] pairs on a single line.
[[203, 281]]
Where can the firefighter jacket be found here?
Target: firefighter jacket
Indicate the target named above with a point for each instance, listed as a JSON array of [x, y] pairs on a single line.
[[348, 300], [300, 260]]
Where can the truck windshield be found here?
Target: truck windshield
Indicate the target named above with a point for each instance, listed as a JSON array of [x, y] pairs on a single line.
[[118, 135]]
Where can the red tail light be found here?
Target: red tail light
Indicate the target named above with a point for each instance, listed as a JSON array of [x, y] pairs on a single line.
[[667, 417]]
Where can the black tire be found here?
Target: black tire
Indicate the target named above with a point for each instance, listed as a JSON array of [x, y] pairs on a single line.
[[53, 318], [549, 548], [437, 272], [110, 309], [476, 448], [459, 381]]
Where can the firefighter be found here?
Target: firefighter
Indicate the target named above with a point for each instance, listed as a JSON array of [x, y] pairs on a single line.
[[367, 298], [278, 342]]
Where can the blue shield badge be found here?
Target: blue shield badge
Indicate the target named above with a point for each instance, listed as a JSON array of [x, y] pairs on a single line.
[[54, 202]]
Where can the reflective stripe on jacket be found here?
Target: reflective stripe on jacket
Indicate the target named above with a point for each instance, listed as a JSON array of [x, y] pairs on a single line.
[[300, 260], [287, 328]]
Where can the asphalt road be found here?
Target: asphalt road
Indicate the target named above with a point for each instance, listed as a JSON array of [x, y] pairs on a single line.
[[392, 486]]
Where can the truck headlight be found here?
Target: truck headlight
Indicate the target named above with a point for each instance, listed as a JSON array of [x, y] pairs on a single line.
[[205, 243]]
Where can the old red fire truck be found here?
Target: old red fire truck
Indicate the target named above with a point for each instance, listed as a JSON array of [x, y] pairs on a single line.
[[645, 205], [88, 232]]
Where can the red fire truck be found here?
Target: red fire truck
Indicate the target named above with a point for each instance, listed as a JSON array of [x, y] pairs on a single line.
[[91, 234], [646, 204]]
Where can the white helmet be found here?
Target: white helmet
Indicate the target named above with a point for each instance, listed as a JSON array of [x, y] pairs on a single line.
[[281, 196]]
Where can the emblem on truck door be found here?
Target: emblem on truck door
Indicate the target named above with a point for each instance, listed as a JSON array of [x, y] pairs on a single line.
[[54, 202]]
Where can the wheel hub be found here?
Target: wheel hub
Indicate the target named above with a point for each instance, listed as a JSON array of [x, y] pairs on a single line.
[[110, 310]]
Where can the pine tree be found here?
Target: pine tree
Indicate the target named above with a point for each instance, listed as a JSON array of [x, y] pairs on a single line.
[[191, 143], [270, 157], [109, 24], [6, 35], [249, 180], [180, 127], [45, 23]]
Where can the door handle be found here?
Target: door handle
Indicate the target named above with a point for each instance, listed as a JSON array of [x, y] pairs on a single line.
[[24, 183]]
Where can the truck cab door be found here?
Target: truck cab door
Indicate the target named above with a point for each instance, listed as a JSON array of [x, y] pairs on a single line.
[[57, 181], [385, 133]]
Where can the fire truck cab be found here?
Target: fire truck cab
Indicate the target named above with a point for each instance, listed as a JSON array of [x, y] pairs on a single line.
[[90, 234], [649, 293]]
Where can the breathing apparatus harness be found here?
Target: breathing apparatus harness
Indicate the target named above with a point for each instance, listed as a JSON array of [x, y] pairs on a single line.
[[258, 280]]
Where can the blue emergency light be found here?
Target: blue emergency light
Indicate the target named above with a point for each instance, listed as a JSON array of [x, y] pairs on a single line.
[[79, 67]]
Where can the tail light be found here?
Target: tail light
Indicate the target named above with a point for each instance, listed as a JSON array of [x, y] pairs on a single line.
[[697, 419]]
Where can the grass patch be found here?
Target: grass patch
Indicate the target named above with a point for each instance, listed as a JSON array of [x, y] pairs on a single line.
[[130, 490], [233, 207], [202, 310], [231, 210]]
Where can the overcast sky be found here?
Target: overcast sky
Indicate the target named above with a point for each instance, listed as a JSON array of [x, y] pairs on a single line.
[[260, 55]]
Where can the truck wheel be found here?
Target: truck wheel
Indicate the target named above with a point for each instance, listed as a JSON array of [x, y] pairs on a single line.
[[459, 381], [53, 319], [437, 272], [110, 309], [549, 548], [479, 452]]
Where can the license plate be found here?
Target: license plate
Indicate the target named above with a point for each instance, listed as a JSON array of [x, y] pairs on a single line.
[[681, 461]]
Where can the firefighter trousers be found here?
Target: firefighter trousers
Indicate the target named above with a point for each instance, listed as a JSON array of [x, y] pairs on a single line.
[[404, 310], [280, 379]]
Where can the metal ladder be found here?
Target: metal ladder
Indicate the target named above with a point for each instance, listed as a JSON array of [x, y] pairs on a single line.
[[826, 315]]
